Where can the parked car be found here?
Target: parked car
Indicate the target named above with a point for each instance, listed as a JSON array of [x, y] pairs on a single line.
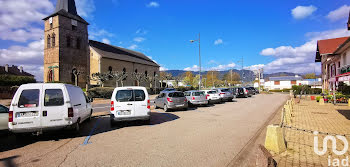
[[213, 96], [4, 118], [250, 91], [233, 91], [130, 103], [242, 92], [225, 94], [195, 97], [168, 90], [171, 100], [48, 106], [257, 90]]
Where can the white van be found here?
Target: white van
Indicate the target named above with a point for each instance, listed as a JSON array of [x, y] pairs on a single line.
[[48, 106], [130, 103]]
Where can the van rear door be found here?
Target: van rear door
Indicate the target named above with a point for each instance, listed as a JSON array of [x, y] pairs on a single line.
[[27, 110], [54, 108], [124, 105], [140, 104]]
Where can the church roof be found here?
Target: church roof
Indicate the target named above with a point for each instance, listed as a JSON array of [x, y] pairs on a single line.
[[68, 9], [67, 5], [118, 53]]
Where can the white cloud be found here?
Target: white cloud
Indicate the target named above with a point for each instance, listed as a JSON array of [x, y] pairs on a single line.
[[340, 13], [224, 67], [299, 59], [31, 57], [105, 40], [218, 42], [153, 4], [20, 19], [163, 69], [254, 67], [141, 31], [85, 7], [133, 47], [301, 12], [99, 33], [139, 39], [193, 68]]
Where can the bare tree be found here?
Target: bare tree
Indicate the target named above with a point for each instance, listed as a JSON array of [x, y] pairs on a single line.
[[101, 78], [119, 77], [138, 77]]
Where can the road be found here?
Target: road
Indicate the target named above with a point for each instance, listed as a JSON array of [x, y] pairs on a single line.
[[206, 136]]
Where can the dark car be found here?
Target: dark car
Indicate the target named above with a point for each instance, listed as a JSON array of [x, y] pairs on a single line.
[[241, 92], [251, 91]]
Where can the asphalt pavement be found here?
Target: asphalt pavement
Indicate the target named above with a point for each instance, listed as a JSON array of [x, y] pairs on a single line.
[[204, 136]]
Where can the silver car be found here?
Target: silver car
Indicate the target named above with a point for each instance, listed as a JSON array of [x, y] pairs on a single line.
[[195, 97], [213, 96], [225, 94], [4, 117], [171, 100]]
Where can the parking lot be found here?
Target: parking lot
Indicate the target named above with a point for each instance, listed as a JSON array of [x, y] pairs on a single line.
[[203, 136]]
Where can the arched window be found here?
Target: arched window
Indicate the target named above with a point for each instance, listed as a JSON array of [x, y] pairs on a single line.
[[146, 73], [50, 76], [124, 72], [53, 39], [68, 40], [154, 74], [78, 43], [48, 41], [136, 71], [74, 71], [110, 69]]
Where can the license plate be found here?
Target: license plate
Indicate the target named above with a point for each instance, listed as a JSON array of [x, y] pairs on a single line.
[[124, 113], [27, 114], [180, 105]]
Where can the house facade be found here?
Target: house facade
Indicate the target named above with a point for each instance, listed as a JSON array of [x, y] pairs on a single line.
[[284, 82]]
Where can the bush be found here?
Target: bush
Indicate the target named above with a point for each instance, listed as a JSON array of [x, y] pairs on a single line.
[[99, 92], [305, 89], [12, 80]]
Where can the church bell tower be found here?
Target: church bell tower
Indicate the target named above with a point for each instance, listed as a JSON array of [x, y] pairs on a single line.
[[66, 51]]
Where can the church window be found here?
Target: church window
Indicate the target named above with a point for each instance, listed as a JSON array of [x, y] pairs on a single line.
[[136, 71], [74, 71], [78, 43], [51, 26], [50, 76], [146, 73], [69, 41], [48, 41], [74, 28], [110, 69], [53, 40], [124, 72]]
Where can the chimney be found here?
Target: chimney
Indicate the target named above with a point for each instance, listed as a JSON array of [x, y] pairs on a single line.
[[6, 68], [21, 69]]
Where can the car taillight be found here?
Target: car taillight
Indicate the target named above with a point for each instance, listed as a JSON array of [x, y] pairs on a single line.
[[169, 100], [70, 112], [148, 104], [112, 105], [222, 93], [206, 97], [193, 98], [246, 91], [10, 116]]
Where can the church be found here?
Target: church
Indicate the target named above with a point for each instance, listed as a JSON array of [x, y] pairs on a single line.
[[70, 57]]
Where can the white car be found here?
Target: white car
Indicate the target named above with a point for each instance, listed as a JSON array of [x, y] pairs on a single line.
[[130, 103], [213, 96], [48, 106], [225, 94]]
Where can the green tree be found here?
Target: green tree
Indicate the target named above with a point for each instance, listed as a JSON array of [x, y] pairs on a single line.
[[212, 78], [235, 78], [189, 78]]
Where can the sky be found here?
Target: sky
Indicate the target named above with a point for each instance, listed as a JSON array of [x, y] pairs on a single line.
[[278, 36]]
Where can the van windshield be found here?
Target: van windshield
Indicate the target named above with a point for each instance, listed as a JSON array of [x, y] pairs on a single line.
[[176, 94], [29, 98], [124, 96]]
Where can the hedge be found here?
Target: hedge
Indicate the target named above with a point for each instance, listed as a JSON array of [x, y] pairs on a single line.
[[12, 80], [99, 92]]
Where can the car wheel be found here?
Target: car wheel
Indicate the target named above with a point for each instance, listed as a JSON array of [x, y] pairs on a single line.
[[185, 109], [166, 108]]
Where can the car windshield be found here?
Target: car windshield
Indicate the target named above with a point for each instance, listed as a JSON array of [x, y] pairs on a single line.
[[176, 94]]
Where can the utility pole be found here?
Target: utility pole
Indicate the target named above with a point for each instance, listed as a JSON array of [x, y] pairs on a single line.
[[212, 77], [200, 63], [231, 78]]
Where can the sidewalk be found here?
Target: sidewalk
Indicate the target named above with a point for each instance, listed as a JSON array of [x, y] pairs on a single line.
[[310, 116]]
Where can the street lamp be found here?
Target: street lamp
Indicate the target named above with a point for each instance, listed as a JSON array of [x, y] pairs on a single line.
[[200, 64]]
